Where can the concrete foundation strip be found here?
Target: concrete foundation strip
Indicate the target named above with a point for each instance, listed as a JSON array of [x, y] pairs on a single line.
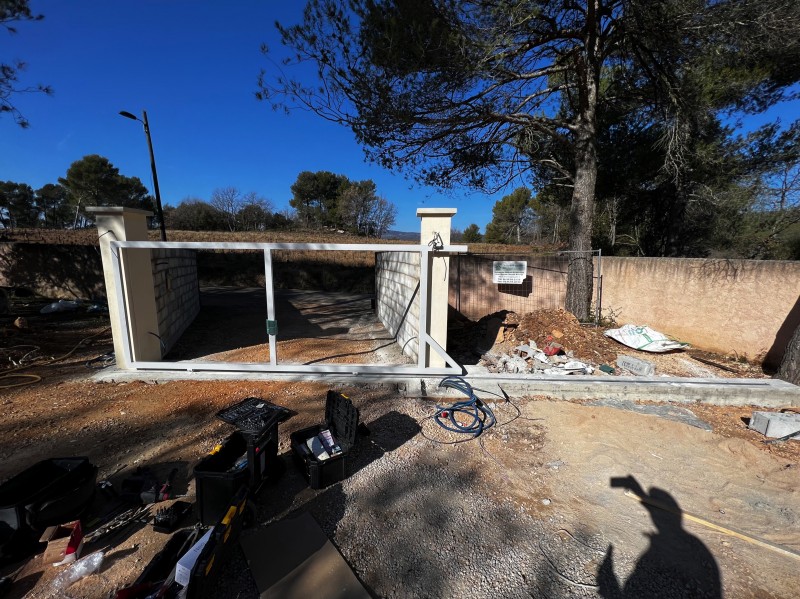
[[727, 531]]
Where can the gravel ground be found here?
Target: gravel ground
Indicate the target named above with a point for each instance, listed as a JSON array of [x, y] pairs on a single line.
[[419, 519]]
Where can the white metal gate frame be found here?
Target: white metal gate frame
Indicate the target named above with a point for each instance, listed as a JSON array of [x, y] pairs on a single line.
[[425, 340]]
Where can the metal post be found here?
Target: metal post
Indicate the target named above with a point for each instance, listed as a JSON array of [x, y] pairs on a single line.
[[599, 302], [273, 345], [424, 290], [155, 177]]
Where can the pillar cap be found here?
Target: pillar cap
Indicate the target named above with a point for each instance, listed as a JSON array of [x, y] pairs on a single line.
[[119, 210], [436, 211]]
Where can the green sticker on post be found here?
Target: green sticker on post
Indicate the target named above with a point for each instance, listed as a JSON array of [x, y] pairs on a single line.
[[272, 327]]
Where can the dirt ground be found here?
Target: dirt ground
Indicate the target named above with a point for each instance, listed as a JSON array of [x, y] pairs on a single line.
[[555, 461]]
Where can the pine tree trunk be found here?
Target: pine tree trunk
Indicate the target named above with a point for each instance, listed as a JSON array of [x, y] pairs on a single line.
[[790, 366], [579, 273]]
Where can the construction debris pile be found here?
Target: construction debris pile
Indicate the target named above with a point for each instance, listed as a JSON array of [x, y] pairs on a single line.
[[554, 342]]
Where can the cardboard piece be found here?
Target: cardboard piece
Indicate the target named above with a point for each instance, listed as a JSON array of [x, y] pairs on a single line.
[[183, 570], [294, 559], [64, 543]]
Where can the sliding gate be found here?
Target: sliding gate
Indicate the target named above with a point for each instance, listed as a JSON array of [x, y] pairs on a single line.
[[427, 253]]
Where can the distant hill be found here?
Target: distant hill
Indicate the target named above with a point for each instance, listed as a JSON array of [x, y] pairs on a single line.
[[402, 235]]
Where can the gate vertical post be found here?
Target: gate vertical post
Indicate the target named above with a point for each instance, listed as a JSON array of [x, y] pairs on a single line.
[[137, 284], [433, 221], [270, 289]]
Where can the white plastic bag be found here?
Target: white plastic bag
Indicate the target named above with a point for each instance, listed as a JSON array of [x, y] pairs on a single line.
[[644, 338], [88, 564], [60, 306]]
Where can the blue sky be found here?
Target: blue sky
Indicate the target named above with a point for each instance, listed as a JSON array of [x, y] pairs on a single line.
[[193, 66]]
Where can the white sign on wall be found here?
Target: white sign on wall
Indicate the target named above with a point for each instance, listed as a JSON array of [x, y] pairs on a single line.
[[509, 272]]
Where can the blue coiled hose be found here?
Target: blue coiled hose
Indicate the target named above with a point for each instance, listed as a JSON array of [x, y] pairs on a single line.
[[481, 415]]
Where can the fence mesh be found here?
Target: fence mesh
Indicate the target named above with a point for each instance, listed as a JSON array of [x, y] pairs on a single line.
[[474, 294]]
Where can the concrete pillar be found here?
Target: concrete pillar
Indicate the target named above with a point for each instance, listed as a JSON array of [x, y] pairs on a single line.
[[129, 224], [432, 221]]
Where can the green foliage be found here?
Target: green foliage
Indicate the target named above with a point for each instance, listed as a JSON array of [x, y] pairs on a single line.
[[326, 200], [472, 234], [17, 207], [314, 197], [611, 108], [195, 215], [94, 181], [513, 218], [51, 201]]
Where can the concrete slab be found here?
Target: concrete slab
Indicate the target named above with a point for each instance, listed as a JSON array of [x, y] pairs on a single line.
[[636, 365], [776, 424]]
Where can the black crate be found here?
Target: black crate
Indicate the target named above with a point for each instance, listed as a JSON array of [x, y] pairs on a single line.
[[217, 482], [48, 493], [253, 414], [224, 537], [341, 417]]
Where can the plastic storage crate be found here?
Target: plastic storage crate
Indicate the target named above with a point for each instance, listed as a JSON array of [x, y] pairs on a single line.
[[48, 493], [224, 537], [217, 479], [341, 418]]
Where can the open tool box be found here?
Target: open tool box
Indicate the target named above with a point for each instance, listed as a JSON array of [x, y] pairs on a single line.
[[322, 452], [248, 457]]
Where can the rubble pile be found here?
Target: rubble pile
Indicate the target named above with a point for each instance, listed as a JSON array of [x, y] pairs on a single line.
[[586, 342]]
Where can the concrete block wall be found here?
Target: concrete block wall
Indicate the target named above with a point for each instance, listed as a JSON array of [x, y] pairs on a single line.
[[397, 297], [176, 291]]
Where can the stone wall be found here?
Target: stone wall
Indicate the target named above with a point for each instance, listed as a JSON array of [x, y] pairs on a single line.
[[746, 307], [176, 291], [55, 271], [397, 297]]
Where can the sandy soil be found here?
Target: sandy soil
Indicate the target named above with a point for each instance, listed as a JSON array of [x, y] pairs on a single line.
[[554, 460]]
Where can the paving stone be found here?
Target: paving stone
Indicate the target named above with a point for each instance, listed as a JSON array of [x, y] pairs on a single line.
[[776, 424]]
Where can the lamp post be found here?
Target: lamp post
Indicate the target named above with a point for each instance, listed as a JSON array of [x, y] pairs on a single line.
[[143, 121]]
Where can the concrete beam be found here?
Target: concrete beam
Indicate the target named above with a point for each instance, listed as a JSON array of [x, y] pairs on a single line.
[[768, 393]]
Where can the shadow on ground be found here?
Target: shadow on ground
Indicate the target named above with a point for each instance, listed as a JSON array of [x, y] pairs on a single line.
[[233, 318]]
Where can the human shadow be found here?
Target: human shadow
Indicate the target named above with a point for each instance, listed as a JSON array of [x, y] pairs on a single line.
[[676, 564]]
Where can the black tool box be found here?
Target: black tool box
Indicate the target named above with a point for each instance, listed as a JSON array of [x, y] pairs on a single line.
[[224, 537], [48, 493], [341, 419], [254, 447]]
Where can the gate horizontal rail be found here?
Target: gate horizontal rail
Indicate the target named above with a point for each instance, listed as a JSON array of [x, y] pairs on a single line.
[[425, 341]]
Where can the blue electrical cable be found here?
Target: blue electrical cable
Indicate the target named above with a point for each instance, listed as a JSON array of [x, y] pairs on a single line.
[[481, 415]]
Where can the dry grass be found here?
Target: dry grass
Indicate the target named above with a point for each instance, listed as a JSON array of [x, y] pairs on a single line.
[[498, 248], [88, 237]]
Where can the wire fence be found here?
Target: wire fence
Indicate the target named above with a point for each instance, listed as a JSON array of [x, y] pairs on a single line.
[[474, 294]]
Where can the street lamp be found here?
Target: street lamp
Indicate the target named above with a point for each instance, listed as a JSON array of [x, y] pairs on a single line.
[[143, 121]]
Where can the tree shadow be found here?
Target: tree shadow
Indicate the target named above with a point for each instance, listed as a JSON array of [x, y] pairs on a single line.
[[676, 564], [233, 318], [53, 270], [773, 358]]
